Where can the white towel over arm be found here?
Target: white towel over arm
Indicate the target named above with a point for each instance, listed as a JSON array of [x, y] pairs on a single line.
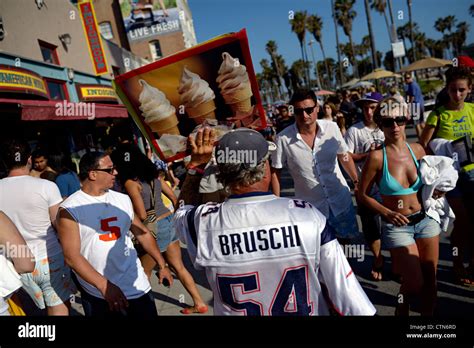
[[438, 172]]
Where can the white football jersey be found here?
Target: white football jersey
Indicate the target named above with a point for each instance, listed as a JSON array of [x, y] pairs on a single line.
[[265, 255], [104, 225]]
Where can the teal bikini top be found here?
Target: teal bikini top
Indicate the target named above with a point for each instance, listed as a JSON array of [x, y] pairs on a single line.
[[389, 186]]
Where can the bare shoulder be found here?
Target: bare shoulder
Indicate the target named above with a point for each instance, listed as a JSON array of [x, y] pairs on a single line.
[[418, 150], [375, 159]]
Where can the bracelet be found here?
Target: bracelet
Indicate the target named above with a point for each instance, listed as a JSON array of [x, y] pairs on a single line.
[[193, 170]]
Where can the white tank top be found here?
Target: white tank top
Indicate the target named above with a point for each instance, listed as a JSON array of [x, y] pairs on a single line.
[[104, 227]]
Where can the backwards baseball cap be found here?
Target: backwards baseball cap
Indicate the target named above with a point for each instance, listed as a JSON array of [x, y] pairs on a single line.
[[373, 97], [244, 146]]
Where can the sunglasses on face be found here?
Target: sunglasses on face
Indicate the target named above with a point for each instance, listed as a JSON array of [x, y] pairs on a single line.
[[388, 122], [309, 111], [106, 170]]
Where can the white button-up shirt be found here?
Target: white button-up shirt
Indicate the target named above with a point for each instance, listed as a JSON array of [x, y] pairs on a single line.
[[315, 172]]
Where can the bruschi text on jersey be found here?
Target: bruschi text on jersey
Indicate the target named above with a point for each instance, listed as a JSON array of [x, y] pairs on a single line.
[[262, 239]]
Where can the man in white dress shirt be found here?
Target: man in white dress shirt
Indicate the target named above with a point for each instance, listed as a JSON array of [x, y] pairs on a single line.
[[311, 150]]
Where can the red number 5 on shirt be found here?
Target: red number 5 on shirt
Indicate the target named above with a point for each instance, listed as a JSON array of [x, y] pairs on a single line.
[[114, 231]]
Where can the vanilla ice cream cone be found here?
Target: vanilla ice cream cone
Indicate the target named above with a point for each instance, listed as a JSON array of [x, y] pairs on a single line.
[[202, 111], [168, 125], [157, 110], [234, 83]]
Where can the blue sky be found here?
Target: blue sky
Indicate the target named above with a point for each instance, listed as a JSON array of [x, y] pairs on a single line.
[[268, 20]]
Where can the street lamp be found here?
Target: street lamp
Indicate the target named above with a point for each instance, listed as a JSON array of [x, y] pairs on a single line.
[[310, 43]]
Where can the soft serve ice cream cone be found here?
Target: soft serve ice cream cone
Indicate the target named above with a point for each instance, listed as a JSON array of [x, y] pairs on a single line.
[[159, 114], [197, 97], [234, 84]]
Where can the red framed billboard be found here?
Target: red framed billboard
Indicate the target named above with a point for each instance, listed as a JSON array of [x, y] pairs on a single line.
[[213, 82]]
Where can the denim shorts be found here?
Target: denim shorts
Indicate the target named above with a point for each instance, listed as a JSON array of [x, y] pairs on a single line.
[[401, 236], [50, 282], [166, 233], [345, 223]]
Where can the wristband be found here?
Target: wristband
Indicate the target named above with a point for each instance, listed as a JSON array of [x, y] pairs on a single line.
[[195, 170]]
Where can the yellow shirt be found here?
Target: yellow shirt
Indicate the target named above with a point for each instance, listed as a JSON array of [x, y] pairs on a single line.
[[453, 124]]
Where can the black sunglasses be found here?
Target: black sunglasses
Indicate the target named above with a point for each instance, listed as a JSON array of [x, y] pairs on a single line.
[[107, 170], [309, 111], [388, 122]]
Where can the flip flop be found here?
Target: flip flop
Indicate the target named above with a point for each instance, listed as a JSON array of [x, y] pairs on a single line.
[[194, 310], [378, 270]]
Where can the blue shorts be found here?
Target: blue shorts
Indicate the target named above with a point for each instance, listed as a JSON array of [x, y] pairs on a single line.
[[166, 233], [50, 282], [401, 236], [345, 223]]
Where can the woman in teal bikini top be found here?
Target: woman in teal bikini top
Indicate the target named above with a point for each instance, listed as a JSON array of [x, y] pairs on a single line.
[[389, 186], [411, 237]]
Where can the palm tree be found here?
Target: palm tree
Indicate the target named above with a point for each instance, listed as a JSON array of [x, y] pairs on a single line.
[[446, 24], [460, 36], [420, 47], [341, 75], [371, 36], [280, 61], [412, 29], [380, 6], [315, 26], [297, 71], [271, 47], [471, 10], [269, 75], [345, 15], [298, 26]]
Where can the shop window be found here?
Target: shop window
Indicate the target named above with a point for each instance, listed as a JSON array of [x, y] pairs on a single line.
[[106, 30], [49, 53], [57, 90], [155, 49]]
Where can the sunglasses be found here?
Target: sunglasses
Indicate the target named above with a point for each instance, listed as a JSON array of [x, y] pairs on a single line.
[[388, 122], [106, 170], [299, 111]]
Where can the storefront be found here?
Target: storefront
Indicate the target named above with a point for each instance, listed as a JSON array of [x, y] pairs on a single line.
[[55, 106]]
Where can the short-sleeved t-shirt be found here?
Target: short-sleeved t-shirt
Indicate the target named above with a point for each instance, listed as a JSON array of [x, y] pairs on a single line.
[[453, 124], [359, 138], [68, 183], [26, 201]]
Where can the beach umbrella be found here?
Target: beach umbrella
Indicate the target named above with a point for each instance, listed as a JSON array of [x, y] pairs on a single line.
[[364, 84], [324, 92], [426, 63], [350, 83], [379, 74]]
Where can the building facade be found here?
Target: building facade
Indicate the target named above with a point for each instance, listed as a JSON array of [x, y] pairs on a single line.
[[49, 89]]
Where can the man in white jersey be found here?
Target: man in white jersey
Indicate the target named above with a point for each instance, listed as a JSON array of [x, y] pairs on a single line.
[[93, 226], [32, 204], [263, 255]]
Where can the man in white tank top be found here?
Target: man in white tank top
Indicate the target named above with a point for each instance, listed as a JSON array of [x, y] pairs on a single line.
[[263, 255], [93, 226]]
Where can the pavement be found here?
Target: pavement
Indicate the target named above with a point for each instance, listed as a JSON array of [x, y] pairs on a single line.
[[453, 300]]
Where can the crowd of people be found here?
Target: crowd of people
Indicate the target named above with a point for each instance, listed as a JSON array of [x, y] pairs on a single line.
[[103, 227]]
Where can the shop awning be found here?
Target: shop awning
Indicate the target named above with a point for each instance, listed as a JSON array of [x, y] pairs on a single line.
[[36, 110]]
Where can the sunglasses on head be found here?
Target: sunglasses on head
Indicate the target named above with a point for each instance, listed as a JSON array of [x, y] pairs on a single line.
[[389, 121], [299, 111], [107, 170]]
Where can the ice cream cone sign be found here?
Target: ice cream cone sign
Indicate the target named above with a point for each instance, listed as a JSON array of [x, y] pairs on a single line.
[[196, 96], [212, 83]]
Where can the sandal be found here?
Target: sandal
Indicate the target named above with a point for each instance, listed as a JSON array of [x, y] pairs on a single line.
[[462, 277], [376, 272], [194, 310]]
